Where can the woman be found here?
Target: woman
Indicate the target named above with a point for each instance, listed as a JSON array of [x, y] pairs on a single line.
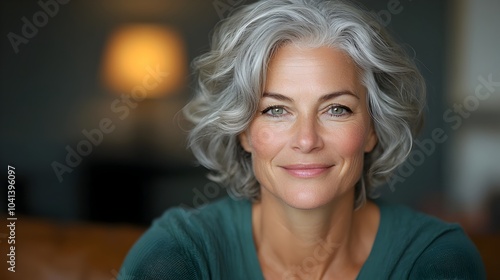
[[303, 108]]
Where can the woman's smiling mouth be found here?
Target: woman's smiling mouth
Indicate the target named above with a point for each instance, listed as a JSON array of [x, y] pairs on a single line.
[[306, 170]]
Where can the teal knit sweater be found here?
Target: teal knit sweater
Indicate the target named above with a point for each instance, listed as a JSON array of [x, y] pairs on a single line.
[[215, 242]]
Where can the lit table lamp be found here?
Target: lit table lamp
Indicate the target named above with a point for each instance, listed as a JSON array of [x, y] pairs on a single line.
[[133, 51], [145, 62]]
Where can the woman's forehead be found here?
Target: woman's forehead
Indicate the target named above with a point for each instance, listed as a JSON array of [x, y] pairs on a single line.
[[322, 69]]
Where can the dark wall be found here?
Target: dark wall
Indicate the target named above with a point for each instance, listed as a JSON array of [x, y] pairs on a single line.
[[51, 91], [421, 26]]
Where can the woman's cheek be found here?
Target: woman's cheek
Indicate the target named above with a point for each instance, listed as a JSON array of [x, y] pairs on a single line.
[[266, 138], [351, 140]]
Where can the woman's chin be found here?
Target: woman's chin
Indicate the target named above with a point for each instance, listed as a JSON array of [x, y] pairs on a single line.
[[307, 199]]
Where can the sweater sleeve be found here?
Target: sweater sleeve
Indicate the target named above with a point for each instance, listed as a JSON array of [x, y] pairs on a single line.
[[452, 255], [158, 255]]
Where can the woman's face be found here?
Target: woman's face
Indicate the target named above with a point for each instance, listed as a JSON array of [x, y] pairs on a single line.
[[312, 129]]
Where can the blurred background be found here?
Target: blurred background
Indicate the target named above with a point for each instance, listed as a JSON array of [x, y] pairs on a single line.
[[91, 90]]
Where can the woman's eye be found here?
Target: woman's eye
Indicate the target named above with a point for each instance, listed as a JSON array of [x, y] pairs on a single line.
[[275, 111], [338, 110]]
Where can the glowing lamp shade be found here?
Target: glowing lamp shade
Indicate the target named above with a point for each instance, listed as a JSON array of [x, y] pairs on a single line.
[[149, 56]]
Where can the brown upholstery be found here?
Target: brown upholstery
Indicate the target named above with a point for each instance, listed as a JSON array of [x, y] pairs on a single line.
[[49, 250], [489, 248]]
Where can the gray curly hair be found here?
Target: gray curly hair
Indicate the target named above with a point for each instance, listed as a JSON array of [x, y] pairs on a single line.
[[231, 77]]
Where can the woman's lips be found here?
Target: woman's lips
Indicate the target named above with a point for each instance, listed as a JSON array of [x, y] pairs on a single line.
[[306, 170]]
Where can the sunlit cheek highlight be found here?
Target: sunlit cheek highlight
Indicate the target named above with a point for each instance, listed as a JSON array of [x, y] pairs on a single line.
[[266, 140], [263, 137], [350, 140], [350, 148]]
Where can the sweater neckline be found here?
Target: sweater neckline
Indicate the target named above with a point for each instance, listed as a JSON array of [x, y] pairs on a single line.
[[254, 263], [377, 243], [251, 247]]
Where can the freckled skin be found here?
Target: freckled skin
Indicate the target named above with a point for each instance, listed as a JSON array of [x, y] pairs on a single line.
[[302, 130]]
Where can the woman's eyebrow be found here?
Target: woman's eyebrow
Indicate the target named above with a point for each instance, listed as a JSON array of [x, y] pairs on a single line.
[[333, 95], [323, 98], [277, 96]]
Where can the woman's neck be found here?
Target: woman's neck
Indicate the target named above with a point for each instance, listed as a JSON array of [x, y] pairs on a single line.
[[332, 240]]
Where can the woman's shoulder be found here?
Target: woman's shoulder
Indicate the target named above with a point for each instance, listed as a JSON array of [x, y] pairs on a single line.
[[180, 243], [416, 245], [218, 210], [405, 219], [451, 255]]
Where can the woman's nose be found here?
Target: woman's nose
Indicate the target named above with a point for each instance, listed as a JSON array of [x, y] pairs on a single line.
[[307, 136]]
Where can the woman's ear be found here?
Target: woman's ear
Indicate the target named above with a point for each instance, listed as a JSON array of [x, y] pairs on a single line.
[[245, 141], [371, 140]]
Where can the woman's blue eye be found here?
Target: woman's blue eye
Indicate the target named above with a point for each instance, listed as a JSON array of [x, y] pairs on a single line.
[[275, 111], [338, 110]]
